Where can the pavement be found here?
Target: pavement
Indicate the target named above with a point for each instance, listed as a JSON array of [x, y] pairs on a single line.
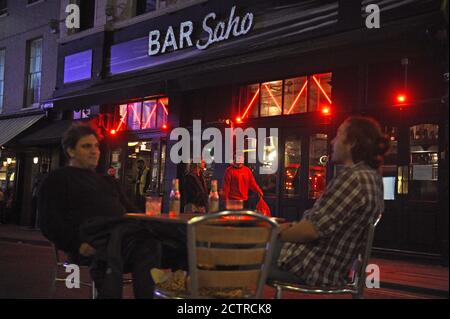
[[27, 266]]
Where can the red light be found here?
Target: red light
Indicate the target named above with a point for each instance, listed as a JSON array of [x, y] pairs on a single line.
[[164, 126], [113, 132], [401, 98], [238, 120], [326, 110]]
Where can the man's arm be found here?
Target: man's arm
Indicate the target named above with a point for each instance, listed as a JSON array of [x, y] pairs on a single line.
[[340, 199], [253, 184], [301, 232]]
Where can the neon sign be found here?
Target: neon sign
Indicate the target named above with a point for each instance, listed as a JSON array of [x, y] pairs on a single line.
[[217, 31]]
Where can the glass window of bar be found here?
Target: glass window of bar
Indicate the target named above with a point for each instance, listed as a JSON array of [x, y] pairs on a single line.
[[141, 115], [268, 180], [317, 165], [289, 96], [292, 159], [34, 53], [424, 162], [389, 168]]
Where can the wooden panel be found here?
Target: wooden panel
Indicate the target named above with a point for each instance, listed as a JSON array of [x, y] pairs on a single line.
[[233, 235], [228, 279], [217, 256]]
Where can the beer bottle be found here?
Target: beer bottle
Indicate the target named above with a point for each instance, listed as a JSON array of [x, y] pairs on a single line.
[[174, 199], [213, 200]]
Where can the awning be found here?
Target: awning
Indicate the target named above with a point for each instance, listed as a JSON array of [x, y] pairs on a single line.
[[11, 127], [49, 134]]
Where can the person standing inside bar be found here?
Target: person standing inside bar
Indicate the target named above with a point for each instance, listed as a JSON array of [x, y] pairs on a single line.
[[142, 183], [195, 189], [238, 180], [37, 182], [319, 249], [75, 196]]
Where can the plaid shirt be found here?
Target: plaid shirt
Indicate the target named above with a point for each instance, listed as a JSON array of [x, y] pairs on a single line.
[[341, 217]]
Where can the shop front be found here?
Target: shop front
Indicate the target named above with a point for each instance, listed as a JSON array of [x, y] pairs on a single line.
[[302, 75]]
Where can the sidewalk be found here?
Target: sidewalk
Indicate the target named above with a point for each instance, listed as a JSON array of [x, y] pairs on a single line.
[[402, 276]]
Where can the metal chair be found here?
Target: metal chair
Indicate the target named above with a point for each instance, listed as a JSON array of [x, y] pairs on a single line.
[[227, 257], [60, 266], [355, 286]]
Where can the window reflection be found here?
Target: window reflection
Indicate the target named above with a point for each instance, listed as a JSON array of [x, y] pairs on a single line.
[[149, 114], [295, 92], [292, 158], [249, 101], [317, 165], [389, 169], [423, 165], [319, 93], [271, 98], [268, 175], [134, 116]]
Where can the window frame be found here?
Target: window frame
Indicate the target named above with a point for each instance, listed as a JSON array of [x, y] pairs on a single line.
[[258, 102], [125, 123], [28, 72]]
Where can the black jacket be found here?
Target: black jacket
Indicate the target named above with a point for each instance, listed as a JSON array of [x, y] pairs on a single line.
[[70, 196], [195, 189]]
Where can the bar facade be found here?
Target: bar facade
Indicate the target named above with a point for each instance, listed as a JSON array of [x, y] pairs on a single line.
[[301, 68]]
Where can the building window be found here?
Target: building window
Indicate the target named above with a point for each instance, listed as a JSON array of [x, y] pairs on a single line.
[[3, 7], [2, 77], [286, 97], [292, 160], [144, 6], [317, 165], [87, 15], [423, 162], [34, 70], [141, 115], [81, 114]]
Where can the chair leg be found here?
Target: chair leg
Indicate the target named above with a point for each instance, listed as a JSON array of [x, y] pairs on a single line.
[[279, 292]]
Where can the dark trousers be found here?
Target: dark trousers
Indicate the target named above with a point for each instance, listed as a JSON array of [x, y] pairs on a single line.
[[138, 261]]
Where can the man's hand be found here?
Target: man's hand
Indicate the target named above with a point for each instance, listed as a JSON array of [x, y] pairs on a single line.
[[86, 250]]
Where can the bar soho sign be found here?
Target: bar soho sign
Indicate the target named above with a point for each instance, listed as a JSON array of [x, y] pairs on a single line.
[[217, 32]]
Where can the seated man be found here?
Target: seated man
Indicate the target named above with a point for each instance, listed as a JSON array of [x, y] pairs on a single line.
[[319, 250], [81, 213]]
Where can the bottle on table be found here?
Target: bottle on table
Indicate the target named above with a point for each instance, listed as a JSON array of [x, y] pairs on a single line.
[[174, 199], [213, 200]]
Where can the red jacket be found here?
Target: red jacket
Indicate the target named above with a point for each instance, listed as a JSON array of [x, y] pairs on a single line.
[[237, 182]]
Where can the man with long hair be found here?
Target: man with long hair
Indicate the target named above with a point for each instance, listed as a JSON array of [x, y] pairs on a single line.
[[319, 249]]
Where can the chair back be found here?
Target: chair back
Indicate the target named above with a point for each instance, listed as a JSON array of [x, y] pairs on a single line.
[[363, 259], [229, 256]]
